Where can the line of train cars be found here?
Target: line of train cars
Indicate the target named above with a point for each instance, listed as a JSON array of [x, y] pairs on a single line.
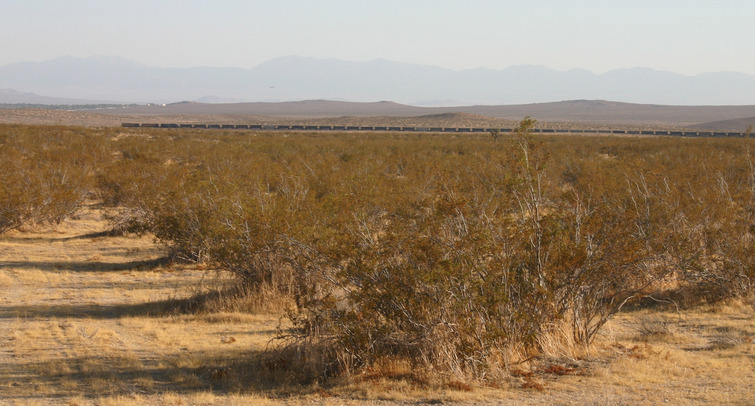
[[428, 129]]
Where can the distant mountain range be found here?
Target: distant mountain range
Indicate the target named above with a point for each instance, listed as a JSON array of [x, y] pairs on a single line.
[[298, 78], [12, 96]]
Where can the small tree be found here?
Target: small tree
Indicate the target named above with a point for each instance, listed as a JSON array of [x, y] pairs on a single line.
[[495, 133]]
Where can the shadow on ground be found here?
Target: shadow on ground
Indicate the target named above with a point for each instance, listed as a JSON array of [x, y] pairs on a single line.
[[94, 311], [233, 372], [89, 266]]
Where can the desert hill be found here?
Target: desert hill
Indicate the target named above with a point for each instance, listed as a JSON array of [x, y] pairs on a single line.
[[577, 114], [740, 124], [595, 112]]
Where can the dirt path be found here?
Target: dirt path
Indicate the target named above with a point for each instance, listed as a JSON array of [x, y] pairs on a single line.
[[83, 315]]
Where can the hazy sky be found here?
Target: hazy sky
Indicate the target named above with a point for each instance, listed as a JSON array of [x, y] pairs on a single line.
[[683, 36]]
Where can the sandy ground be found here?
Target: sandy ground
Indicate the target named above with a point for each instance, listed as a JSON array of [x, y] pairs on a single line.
[[84, 314], [89, 318]]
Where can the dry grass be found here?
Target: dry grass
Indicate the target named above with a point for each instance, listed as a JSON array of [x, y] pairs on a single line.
[[91, 318]]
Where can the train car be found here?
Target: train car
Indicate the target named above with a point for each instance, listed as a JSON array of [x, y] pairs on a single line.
[[130, 125]]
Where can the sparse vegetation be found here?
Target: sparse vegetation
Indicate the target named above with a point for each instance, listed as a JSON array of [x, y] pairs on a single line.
[[455, 259], [47, 173]]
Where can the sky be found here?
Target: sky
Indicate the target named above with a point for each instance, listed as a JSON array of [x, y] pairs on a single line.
[[682, 36]]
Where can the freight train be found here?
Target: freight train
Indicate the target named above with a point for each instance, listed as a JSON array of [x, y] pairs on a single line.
[[431, 129]]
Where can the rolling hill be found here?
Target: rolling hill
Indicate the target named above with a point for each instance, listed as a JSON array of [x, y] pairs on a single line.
[[577, 111]]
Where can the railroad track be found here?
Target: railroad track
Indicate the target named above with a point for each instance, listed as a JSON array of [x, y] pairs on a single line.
[[430, 129]]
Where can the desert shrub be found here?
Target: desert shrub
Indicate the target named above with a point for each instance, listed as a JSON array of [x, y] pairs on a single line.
[[722, 208], [469, 281], [47, 173], [454, 254]]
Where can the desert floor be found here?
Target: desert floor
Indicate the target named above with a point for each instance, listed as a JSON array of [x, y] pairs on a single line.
[[89, 317]]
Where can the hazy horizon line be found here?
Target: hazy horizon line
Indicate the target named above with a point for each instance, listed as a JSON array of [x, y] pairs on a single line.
[[379, 59]]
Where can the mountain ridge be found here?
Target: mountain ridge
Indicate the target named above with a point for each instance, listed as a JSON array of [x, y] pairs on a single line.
[[12, 96], [304, 78]]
